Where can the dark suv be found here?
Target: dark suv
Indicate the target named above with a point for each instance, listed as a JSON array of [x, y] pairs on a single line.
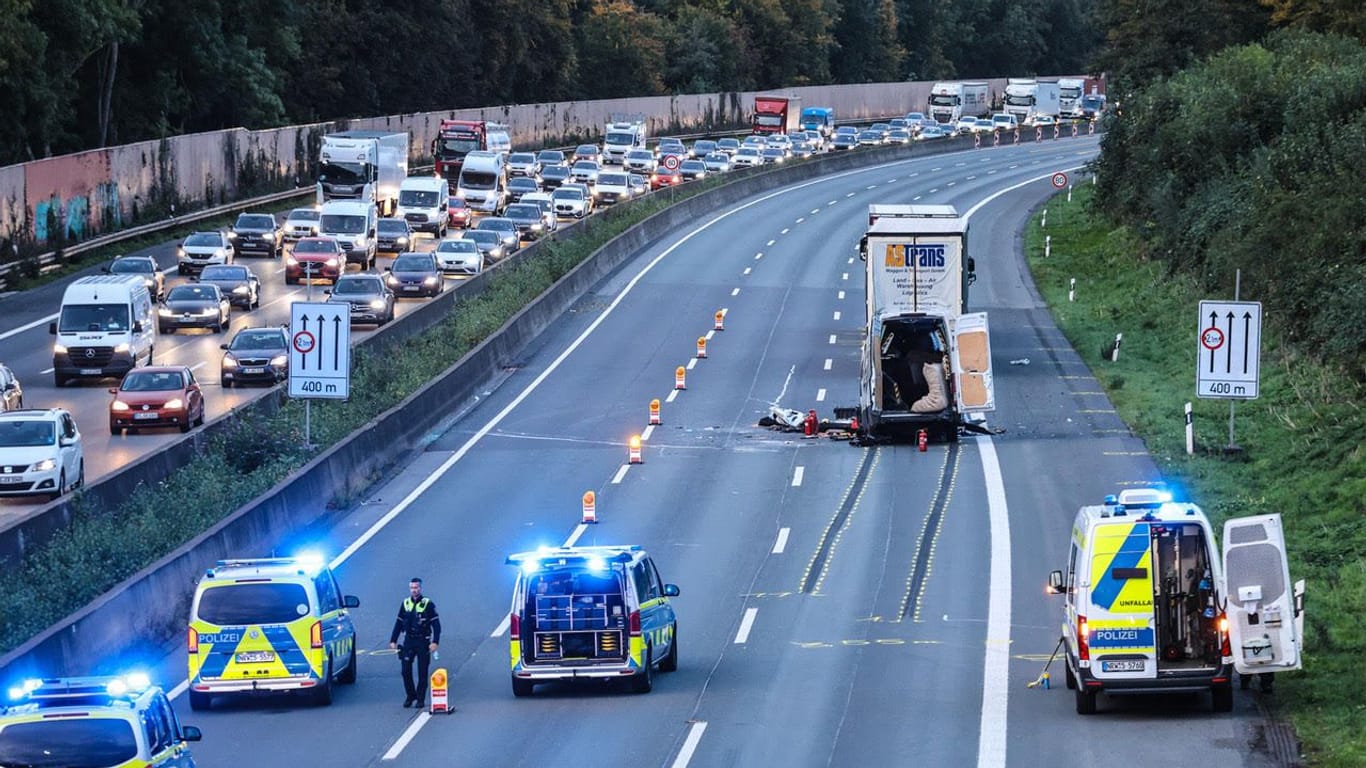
[[257, 233]]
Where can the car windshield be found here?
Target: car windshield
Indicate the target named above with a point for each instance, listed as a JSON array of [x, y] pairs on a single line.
[[204, 239], [303, 214], [613, 179], [393, 226], [521, 158], [471, 179], [132, 266], [17, 433], [456, 246], [692, 165], [93, 317], [484, 237], [522, 182], [192, 293], [316, 246], [728, 143], [255, 221], [551, 156], [640, 154], [520, 211], [258, 340], [418, 198], [356, 285], [587, 150], [158, 381], [413, 263], [342, 224], [253, 603], [568, 194], [747, 151], [76, 742], [223, 272], [500, 224]]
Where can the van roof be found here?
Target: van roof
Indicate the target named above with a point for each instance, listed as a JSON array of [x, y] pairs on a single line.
[[1145, 504], [290, 568]]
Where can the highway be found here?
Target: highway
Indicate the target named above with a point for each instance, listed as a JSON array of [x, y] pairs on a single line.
[[840, 605]]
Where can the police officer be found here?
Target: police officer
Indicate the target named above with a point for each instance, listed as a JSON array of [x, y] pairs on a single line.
[[420, 627]]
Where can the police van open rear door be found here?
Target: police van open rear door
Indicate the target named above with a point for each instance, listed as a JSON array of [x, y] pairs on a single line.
[[1263, 611], [972, 363]]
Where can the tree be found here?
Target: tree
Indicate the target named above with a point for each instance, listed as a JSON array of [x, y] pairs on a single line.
[[621, 51], [867, 49], [1150, 39]]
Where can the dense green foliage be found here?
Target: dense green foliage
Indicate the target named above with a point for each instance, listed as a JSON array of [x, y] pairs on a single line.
[[1252, 161], [1303, 440], [76, 74]]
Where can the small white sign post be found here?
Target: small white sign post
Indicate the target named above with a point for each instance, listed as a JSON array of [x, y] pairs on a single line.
[[319, 354], [1228, 353]]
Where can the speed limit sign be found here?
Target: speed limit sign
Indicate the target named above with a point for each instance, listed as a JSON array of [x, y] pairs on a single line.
[[1059, 179], [671, 162]]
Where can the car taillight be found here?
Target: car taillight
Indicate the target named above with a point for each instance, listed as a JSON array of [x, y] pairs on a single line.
[[515, 625], [315, 634], [1083, 647], [193, 640], [1225, 646], [635, 623]]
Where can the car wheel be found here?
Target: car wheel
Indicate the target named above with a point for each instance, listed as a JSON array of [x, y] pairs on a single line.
[[150, 352], [1222, 698], [200, 702], [644, 680], [58, 380], [348, 675], [180, 270], [61, 487], [322, 692], [225, 383], [670, 661], [113, 430], [522, 688], [1069, 678], [1086, 702], [164, 329], [80, 475], [256, 299], [199, 422], [291, 281]]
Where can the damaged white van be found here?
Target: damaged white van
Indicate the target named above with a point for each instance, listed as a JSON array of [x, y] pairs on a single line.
[[1151, 607]]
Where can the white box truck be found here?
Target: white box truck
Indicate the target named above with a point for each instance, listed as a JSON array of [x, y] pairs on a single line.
[[622, 135], [1019, 99], [950, 102], [483, 182], [926, 362], [363, 165]]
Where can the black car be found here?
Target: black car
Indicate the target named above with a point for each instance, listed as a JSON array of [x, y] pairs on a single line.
[[692, 170], [145, 266], [257, 233], [414, 274], [512, 236], [552, 176], [193, 305], [528, 219], [255, 356], [522, 185], [239, 284], [489, 242], [371, 300], [393, 235]]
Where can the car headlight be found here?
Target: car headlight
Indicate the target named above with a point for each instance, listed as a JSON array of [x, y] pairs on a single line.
[[241, 289], [219, 253], [229, 361], [174, 403], [45, 465], [232, 235], [120, 349], [360, 242], [496, 252], [58, 349], [118, 405], [431, 280], [179, 252], [402, 240], [391, 280], [279, 361], [164, 312], [291, 261], [377, 303], [332, 262], [207, 311]]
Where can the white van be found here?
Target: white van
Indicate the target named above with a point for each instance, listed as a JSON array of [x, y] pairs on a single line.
[[498, 140], [483, 182], [353, 225], [1152, 608], [423, 201], [106, 327]]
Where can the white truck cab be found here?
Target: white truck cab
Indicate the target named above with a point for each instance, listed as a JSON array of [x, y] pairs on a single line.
[[483, 182], [1151, 607], [353, 224], [106, 327], [423, 201]]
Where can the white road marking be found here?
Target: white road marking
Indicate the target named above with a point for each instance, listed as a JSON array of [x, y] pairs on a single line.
[[913, 175], [828, 363], [850, 261], [781, 543], [959, 165], [832, 338], [844, 276], [645, 434], [748, 270], [932, 191], [932, 170], [820, 395], [970, 178], [840, 295], [22, 328], [758, 255], [891, 181], [951, 183], [917, 197], [673, 394], [832, 202], [179, 689], [690, 744], [797, 475], [197, 365], [574, 537], [621, 474], [815, 210], [837, 314], [46, 371], [746, 624], [710, 334], [407, 736], [799, 220], [735, 292], [851, 194], [691, 364], [871, 186], [502, 627], [991, 739], [785, 231], [770, 242]]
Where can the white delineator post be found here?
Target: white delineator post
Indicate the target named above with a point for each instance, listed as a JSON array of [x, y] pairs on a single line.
[[1190, 431]]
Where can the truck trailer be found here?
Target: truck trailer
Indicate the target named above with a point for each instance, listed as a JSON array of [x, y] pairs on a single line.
[[950, 102], [777, 114], [363, 165], [457, 138], [926, 360]]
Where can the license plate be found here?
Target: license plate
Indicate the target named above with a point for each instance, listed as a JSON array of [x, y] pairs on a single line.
[[91, 371], [253, 370], [411, 287], [1123, 666], [148, 416], [255, 657], [11, 479]]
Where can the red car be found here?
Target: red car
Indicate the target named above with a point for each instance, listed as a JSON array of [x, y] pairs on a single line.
[[663, 177], [458, 214], [156, 396], [315, 258]]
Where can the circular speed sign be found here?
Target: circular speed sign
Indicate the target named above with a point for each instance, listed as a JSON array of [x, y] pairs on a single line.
[[303, 342], [1059, 178], [1212, 338], [671, 162]]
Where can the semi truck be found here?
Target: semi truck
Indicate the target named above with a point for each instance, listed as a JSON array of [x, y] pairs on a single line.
[[951, 102], [623, 134], [1070, 91], [777, 114], [457, 138], [363, 165], [819, 119], [1029, 99], [926, 360]]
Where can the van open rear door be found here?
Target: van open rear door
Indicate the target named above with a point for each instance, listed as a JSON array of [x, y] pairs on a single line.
[[1262, 608], [972, 363]]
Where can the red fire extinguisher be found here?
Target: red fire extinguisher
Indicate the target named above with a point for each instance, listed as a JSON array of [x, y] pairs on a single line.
[[923, 440], [809, 426]]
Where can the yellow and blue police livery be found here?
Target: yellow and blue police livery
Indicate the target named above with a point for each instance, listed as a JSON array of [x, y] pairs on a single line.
[[590, 612], [270, 624], [93, 722]]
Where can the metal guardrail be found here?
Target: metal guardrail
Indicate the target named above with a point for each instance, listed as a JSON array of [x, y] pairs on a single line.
[[48, 262]]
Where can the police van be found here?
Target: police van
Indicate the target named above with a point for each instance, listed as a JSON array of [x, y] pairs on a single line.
[[93, 721], [270, 624], [1151, 607], [590, 613]]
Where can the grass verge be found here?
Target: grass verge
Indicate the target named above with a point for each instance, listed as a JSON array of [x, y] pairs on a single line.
[[104, 547], [1303, 445]]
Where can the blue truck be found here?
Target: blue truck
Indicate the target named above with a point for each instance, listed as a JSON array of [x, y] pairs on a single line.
[[819, 119]]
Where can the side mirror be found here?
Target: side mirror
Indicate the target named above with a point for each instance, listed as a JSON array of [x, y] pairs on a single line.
[[105, 269], [190, 733], [671, 590], [350, 601], [389, 269], [113, 390], [67, 442], [52, 328], [137, 327], [222, 346], [327, 291], [1055, 586]]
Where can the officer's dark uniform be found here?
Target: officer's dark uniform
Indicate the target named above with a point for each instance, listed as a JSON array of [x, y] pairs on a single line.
[[418, 623]]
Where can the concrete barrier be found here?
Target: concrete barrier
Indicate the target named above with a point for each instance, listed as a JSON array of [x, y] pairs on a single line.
[[150, 607]]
